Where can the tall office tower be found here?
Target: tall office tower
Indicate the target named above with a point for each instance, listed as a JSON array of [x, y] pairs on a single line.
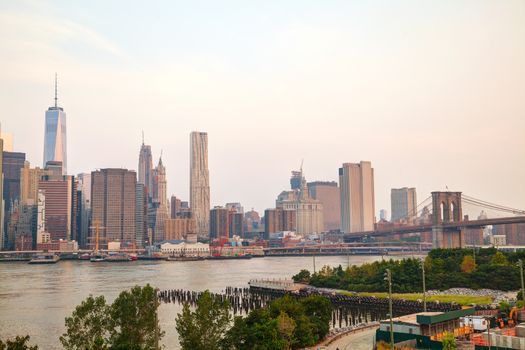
[[41, 217], [29, 178], [141, 214], [403, 203], [174, 206], [113, 205], [327, 192], [200, 182], [2, 240], [219, 225], [279, 219], [55, 138], [84, 208], [356, 183], [12, 163], [308, 211], [60, 202], [146, 169], [160, 197]]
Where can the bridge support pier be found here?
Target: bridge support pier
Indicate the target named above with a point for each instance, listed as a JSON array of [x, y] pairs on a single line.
[[446, 208], [446, 238]]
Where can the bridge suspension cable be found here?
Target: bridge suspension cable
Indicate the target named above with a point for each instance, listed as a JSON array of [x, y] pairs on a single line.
[[492, 206]]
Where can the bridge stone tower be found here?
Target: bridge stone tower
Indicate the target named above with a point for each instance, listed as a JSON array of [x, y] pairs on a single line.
[[446, 211]]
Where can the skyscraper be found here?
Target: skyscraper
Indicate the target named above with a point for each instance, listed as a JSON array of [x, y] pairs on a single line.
[[146, 168], [84, 208], [113, 205], [327, 192], [219, 224], [60, 202], [12, 163], [356, 183], [55, 140], [161, 200], [199, 182], [403, 203], [141, 214]]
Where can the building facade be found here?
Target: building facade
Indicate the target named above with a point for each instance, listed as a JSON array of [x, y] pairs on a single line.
[[327, 192], [113, 205], [12, 164], [403, 204], [179, 228], [200, 182], [141, 214], [146, 168], [219, 225], [356, 183], [55, 137]]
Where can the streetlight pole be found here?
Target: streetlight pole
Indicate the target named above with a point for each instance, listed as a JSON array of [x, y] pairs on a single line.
[[156, 319], [424, 287], [314, 260], [388, 277]]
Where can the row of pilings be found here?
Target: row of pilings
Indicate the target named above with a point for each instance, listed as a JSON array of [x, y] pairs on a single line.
[[348, 310]]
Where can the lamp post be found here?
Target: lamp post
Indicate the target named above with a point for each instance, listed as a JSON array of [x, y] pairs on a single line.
[[388, 278], [156, 319], [424, 287]]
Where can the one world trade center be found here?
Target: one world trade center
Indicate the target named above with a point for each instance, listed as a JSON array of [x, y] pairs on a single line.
[[55, 140]]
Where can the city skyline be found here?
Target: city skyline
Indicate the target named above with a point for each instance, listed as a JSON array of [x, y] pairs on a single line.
[[404, 141]]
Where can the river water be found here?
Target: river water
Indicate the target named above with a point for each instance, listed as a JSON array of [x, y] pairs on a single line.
[[35, 299]]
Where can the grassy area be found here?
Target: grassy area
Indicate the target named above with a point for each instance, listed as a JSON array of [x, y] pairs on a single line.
[[460, 299]]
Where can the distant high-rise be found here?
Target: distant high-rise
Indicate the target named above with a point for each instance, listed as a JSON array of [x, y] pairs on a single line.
[[161, 200], [200, 182], [55, 138], [327, 192], [113, 205], [141, 216], [383, 214], [356, 183], [146, 168], [403, 203], [84, 208], [219, 224], [60, 202]]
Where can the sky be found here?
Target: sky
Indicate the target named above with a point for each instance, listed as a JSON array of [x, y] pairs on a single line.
[[431, 92]]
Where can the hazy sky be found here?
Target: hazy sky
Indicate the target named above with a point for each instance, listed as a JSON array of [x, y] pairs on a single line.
[[431, 92]]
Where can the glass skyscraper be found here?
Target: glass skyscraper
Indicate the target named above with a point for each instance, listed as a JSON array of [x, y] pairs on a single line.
[[55, 140]]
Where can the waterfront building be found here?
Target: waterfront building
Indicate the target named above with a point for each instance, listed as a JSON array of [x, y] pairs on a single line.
[[356, 184], [514, 233], [180, 247], [83, 208], [12, 163], [403, 204], [42, 236], [200, 182], [141, 213], [327, 192], [179, 228], [219, 225], [252, 221], [113, 205], [278, 220], [55, 137], [60, 202], [145, 171]]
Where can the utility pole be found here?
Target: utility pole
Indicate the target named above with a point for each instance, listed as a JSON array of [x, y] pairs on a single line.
[[314, 261], [424, 287], [388, 277], [156, 319]]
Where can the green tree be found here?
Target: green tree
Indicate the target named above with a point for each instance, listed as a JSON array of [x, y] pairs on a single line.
[[468, 264], [449, 342], [19, 343], [302, 277], [88, 327], [134, 323], [286, 327], [319, 310], [499, 259], [204, 328]]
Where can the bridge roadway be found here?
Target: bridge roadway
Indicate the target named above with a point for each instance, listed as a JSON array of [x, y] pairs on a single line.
[[428, 227]]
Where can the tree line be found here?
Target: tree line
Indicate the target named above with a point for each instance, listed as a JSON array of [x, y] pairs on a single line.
[[444, 268], [131, 323]]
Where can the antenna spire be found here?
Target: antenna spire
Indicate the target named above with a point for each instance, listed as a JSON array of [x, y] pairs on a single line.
[[56, 92], [142, 136]]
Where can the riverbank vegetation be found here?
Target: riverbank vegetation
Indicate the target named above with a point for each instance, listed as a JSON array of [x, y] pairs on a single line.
[[442, 298], [287, 324], [444, 268]]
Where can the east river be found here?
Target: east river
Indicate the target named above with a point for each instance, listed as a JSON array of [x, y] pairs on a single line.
[[35, 299]]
